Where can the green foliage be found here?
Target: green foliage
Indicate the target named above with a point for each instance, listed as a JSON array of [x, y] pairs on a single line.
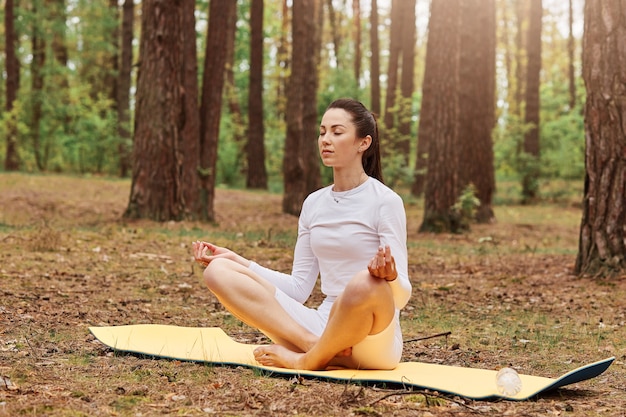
[[338, 83], [530, 170], [564, 150], [9, 120], [456, 219], [230, 153], [274, 145], [397, 167], [93, 143], [508, 140], [561, 128], [78, 131], [465, 207], [396, 172], [562, 134], [78, 134], [562, 144], [242, 50]]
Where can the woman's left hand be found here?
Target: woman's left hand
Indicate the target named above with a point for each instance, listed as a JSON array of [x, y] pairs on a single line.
[[383, 265]]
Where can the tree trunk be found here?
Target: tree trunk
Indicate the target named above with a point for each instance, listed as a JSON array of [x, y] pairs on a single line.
[[438, 118], [37, 84], [521, 12], [477, 74], [111, 77], [356, 13], [56, 74], [334, 29], [301, 171], [11, 161], [220, 17], [374, 60], [571, 46], [166, 119], [421, 159], [99, 66], [311, 82], [530, 156], [123, 90], [230, 91], [395, 48], [602, 242], [405, 114], [504, 31], [283, 55], [58, 16], [255, 149], [190, 124], [511, 21]]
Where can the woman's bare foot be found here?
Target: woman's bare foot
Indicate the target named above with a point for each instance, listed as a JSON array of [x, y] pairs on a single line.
[[279, 356]]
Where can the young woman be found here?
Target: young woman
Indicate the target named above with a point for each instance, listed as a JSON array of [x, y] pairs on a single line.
[[353, 235]]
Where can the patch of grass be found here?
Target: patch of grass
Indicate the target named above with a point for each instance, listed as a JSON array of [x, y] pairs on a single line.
[[259, 372], [366, 411], [5, 228], [37, 410], [553, 191], [84, 359], [126, 403], [45, 239], [141, 374]]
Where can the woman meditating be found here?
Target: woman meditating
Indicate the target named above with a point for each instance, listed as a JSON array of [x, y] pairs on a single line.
[[352, 234]]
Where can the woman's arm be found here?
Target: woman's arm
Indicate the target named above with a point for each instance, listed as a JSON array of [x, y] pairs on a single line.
[[393, 233], [305, 270]]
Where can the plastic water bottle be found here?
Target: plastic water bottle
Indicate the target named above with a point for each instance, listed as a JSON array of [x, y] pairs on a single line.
[[508, 382]]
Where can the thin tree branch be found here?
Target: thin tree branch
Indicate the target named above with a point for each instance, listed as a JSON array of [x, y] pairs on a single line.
[[446, 334]]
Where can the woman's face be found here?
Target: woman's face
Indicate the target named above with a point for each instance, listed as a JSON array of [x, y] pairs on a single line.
[[338, 144]]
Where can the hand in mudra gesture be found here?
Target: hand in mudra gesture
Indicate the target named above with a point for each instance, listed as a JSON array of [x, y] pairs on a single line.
[[382, 265], [205, 252]]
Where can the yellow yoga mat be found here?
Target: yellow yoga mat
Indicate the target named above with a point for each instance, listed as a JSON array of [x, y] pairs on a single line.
[[212, 345]]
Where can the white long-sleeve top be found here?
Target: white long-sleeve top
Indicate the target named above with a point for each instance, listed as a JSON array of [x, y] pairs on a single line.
[[338, 234]]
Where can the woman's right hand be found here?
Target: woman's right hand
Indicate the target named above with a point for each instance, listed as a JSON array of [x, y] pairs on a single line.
[[383, 265]]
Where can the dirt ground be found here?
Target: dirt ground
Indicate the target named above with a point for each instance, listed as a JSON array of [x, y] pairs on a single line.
[[505, 292]]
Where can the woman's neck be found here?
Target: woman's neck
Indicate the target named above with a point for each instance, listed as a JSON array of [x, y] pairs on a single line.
[[348, 181]]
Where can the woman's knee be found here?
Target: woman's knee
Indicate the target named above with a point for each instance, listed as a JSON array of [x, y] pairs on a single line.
[[216, 270], [363, 287]]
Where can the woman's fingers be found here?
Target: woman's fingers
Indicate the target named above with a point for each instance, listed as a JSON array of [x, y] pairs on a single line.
[[387, 254], [382, 264], [200, 254], [383, 256]]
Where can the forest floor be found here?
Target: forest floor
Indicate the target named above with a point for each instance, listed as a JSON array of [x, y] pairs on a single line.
[[504, 291]]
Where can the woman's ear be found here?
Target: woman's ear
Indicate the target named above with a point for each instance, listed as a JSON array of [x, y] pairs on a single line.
[[365, 143]]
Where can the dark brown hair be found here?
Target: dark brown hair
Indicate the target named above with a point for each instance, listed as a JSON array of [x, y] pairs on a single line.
[[366, 124]]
